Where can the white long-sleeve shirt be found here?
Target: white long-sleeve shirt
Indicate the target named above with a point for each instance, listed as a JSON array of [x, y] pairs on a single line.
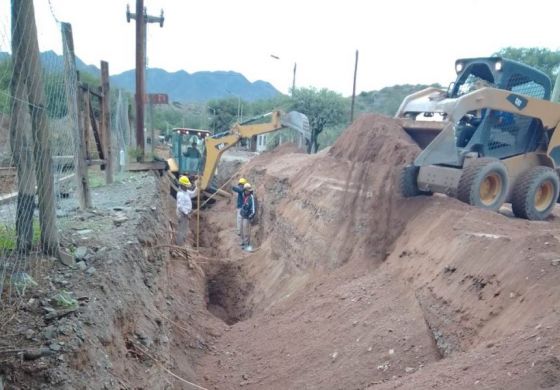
[[184, 202]]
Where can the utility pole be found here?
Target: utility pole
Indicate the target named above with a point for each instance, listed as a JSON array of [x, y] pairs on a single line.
[[294, 79], [354, 88], [142, 18]]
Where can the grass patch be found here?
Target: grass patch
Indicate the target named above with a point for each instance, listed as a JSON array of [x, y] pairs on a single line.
[[96, 178], [8, 236]]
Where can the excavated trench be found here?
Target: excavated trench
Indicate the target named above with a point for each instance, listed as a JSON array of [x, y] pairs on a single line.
[[227, 290], [357, 286], [350, 287]]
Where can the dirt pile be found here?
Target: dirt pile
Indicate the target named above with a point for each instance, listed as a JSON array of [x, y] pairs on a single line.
[[376, 139], [354, 287]]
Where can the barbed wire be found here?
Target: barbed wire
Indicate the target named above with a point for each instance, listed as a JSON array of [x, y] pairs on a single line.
[[21, 100], [52, 12]]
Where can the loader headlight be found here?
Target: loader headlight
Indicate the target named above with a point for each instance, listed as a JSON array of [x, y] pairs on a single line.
[[498, 66], [458, 67]]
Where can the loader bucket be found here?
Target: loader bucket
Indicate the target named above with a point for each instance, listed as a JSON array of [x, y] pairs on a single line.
[[422, 132]]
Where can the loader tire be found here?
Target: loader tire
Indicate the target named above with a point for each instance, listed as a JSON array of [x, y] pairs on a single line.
[[484, 183], [535, 193], [408, 182]]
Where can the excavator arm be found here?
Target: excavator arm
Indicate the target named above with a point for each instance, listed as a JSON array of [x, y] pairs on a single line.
[[218, 144]]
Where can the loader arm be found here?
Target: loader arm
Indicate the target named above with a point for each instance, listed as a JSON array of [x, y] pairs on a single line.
[[218, 144]]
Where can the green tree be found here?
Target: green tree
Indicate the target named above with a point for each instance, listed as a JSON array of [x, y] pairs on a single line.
[[543, 59], [224, 113], [324, 108], [387, 100], [5, 76], [55, 93], [259, 107]]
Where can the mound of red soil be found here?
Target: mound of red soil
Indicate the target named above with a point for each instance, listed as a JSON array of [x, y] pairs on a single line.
[[375, 138]]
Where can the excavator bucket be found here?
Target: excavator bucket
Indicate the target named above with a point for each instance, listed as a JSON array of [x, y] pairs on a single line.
[[422, 132], [297, 121]]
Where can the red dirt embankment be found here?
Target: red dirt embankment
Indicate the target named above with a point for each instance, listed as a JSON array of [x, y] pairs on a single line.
[[354, 287]]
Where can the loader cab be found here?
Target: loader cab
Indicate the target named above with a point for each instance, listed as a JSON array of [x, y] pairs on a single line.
[[501, 73], [189, 149], [493, 133]]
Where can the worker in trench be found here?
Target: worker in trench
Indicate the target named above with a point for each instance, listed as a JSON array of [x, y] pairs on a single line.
[[248, 211], [239, 190], [184, 209]]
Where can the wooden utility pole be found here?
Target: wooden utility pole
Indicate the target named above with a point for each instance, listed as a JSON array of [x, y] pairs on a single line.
[[105, 122], [294, 79], [140, 88], [71, 84], [142, 18], [22, 11], [354, 88]]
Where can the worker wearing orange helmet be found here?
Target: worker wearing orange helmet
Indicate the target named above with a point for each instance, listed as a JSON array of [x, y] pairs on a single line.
[[238, 188], [184, 208]]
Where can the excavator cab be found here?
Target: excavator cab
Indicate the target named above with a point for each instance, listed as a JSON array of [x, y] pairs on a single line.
[[189, 150]]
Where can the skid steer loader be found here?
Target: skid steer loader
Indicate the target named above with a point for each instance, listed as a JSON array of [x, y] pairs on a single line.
[[491, 138]]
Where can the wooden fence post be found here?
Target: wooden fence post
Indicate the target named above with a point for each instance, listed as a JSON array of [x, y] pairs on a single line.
[[23, 10], [105, 122], [71, 85], [21, 146]]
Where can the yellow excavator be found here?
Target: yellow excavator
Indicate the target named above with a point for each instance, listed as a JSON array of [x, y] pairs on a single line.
[[492, 137], [196, 153]]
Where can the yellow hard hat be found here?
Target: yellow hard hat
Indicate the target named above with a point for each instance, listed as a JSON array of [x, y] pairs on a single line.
[[183, 180], [242, 180], [248, 187]]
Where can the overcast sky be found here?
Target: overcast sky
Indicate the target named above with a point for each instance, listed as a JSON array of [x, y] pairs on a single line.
[[399, 41]]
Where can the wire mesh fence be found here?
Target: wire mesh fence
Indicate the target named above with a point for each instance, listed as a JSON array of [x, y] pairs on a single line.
[[44, 112]]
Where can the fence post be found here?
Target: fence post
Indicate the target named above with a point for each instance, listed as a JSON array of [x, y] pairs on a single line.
[[105, 122], [39, 126], [84, 104], [20, 144], [71, 85]]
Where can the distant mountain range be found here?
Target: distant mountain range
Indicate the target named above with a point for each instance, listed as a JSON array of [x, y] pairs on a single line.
[[180, 86], [199, 86]]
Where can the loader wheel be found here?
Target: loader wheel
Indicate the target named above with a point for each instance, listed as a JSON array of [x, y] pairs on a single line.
[[535, 193], [408, 183], [484, 183]]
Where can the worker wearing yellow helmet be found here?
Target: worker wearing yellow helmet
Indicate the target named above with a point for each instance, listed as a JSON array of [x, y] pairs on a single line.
[[238, 188], [248, 211], [184, 208]]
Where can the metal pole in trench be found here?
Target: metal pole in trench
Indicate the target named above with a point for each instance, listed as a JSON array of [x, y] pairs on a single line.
[[198, 219]]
